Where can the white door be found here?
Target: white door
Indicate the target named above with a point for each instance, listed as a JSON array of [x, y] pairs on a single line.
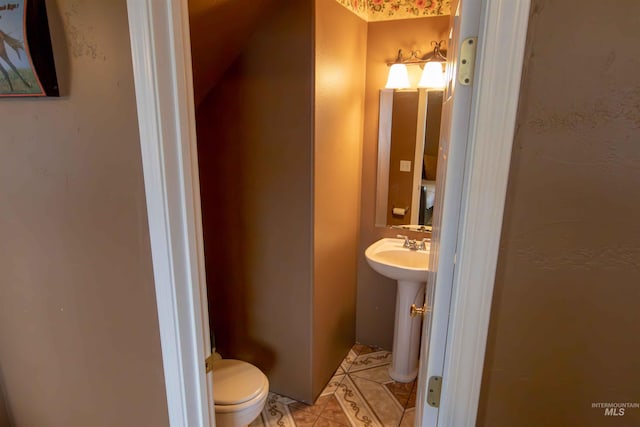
[[451, 165]]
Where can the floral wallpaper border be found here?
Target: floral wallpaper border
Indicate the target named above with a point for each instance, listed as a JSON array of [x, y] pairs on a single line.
[[384, 10]]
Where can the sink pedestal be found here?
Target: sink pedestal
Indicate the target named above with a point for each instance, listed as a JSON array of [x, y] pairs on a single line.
[[409, 266], [407, 329]]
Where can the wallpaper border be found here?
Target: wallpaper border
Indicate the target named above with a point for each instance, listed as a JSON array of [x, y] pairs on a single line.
[[385, 10]]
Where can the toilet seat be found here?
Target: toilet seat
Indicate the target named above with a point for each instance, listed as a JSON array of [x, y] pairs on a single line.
[[237, 384]]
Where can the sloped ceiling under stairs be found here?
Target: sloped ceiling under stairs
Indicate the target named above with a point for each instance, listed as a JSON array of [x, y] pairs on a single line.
[[220, 29]]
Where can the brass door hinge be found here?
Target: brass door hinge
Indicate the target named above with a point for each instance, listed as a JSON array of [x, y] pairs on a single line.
[[467, 61], [433, 391]]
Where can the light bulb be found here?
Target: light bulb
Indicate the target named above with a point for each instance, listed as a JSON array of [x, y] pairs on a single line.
[[432, 76], [398, 77]]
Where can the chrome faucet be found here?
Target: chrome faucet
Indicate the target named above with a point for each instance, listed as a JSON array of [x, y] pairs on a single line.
[[413, 245]]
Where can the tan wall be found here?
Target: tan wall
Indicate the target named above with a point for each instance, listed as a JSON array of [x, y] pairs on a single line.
[[220, 30], [255, 152], [79, 340], [376, 294], [5, 421], [339, 114], [565, 315]]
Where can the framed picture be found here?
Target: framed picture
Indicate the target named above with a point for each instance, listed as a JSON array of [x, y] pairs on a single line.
[[26, 58]]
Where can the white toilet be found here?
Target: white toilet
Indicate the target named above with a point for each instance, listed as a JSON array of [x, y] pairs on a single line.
[[239, 392]]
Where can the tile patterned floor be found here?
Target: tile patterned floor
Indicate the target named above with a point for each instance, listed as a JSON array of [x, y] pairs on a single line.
[[360, 393]]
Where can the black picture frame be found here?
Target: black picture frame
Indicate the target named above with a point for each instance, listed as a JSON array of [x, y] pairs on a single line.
[[27, 66]]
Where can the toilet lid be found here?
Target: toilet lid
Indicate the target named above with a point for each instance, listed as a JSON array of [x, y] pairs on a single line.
[[235, 381]]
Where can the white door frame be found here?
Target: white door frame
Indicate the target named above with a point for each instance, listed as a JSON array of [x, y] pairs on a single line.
[[499, 58], [159, 31], [160, 47]]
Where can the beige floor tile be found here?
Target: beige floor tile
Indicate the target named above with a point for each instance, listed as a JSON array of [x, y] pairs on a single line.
[[411, 403], [408, 419], [333, 411], [303, 418], [386, 407], [370, 360], [401, 392], [325, 422], [378, 374], [360, 394], [280, 399], [276, 411], [348, 360], [322, 401], [258, 422], [299, 407], [314, 409], [364, 349], [355, 406], [334, 382]]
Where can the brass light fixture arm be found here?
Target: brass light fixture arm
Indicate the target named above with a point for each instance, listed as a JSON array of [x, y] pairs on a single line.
[[437, 54]]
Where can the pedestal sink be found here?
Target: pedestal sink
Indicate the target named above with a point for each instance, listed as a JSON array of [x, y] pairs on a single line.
[[409, 267]]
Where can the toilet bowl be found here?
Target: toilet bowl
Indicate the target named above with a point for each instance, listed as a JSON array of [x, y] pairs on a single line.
[[239, 392]]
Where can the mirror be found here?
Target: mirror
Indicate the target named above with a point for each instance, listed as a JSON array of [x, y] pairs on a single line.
[[408, 143]]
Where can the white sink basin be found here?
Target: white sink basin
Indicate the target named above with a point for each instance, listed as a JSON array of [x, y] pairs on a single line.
[[388, 257]]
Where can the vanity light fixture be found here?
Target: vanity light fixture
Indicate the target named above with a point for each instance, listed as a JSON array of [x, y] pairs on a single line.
[[432, 75]]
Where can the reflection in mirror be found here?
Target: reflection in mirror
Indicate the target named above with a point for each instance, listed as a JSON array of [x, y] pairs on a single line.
[[408, 136], [430, 157]]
